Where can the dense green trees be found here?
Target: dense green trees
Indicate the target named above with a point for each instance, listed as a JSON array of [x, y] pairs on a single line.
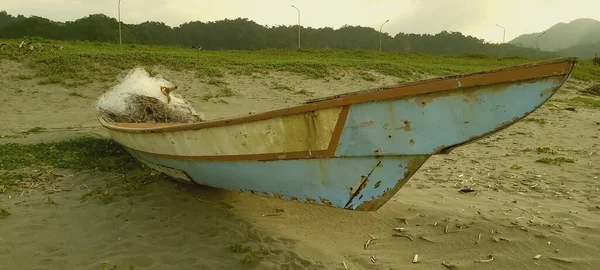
[[243, 34]]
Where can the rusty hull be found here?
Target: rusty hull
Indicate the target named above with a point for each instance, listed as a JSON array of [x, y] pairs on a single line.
[[352, 151]]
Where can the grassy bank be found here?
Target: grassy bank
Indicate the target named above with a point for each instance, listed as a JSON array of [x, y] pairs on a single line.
[[26, 165], [77, 63]]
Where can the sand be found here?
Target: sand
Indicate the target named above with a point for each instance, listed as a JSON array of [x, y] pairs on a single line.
[[519, 208]]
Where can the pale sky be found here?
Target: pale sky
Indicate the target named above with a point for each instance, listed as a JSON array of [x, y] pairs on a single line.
[[471, 17]]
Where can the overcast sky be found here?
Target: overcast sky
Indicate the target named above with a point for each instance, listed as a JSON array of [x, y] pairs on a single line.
[[471, 17]]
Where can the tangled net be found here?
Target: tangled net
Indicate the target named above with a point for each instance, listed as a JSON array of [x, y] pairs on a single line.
[[140, 98]]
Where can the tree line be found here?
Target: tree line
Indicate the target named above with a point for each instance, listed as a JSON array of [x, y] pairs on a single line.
[[244, 34]]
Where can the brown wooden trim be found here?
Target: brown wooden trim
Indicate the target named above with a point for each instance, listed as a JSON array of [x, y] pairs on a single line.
[[452, 77], [337, 131], [542, 69], [327, 153], [251, 157]]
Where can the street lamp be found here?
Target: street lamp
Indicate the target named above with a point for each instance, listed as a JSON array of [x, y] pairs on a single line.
[[119, 22], [537, 40], [380, 33], [298, 25], [504, 34]]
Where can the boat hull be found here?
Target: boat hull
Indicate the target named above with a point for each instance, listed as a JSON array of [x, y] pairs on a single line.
[[356, 183], [352, 155]]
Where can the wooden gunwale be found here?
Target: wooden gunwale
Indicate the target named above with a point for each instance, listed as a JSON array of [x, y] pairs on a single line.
[[541, 69]]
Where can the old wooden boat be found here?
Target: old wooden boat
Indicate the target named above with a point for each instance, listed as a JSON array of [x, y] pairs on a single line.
[[352, 151]]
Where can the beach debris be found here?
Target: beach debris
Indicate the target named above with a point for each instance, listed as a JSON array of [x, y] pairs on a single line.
[[368, 243], [274, 213], [344, 264], [446, 229], [466, 190], [559, 260], [167, 91], [4, 213], [537, 257], [401, 229], [489, 259], [49, 200], [403, 220], [416, 258], [204, 201], [448, 265], [403, 235], [478, 239], [139, 98], [426, 239], [372, 237], [373, 259]]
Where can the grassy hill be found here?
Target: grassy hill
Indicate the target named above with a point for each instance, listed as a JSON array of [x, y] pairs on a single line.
[[579, 38], [563, 36]]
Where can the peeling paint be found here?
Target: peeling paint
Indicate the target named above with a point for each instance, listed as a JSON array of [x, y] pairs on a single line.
[[375, 203], [471, 96], [548, 90], [276, 135], [367, 124], [325, 201], [407, 126], [421, 101], [448, 121]]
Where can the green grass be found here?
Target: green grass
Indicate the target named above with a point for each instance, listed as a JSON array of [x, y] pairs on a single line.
[[21, 163], [368, 76], [252, 256], [542, 150], [587, 101], [80, 154], [556, 161], [223, 92], [541, 122], [216, 82], [278, 86], [81, 62], [304, 92]]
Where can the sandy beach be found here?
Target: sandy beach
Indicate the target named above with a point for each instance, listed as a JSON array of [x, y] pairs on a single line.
[[522, 213]]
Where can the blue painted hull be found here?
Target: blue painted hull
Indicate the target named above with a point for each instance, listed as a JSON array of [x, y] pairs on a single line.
[[352, 155], [327, 181], [426, 125]]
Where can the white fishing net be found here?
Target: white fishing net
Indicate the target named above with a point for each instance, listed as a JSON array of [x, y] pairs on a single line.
[[140, 98]]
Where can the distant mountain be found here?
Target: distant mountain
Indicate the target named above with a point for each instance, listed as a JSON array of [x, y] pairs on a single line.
[[563, 36]]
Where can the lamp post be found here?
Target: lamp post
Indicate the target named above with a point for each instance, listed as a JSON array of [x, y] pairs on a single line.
[[298, 25], [119, 22], [380, 33], [537, 41], [504, 32]]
